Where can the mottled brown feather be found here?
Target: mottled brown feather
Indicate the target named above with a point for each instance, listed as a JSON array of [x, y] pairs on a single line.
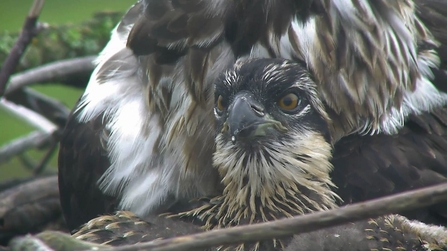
[[124, 228], [391, 232]]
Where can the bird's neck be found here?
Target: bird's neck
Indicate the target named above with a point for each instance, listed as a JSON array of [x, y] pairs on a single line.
[[276, 182]]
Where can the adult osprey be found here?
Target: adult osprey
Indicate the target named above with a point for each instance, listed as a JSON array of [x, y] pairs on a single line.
[[141, 137], [273, 155]]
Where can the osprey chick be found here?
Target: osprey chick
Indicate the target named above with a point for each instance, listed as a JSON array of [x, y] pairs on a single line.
[[274, 150], [273, 145]]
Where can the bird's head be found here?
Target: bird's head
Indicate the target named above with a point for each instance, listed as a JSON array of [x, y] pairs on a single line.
[[266, 101], [273, 140]]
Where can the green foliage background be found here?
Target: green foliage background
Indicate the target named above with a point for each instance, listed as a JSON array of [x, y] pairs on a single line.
[[12, 16]]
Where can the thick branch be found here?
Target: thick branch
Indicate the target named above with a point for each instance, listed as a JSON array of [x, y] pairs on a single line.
[[31, 117], [52, 109], [28, 32], [33, 140], [300, 224], [57, 72], [29, 207]]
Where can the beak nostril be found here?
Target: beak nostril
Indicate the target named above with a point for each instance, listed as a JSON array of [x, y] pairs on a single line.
[[258, 110]]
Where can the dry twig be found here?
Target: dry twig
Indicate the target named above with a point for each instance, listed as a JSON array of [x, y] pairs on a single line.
[[29, 207], [47, 130], [57, 72], [50, 108], [32, 118], [35, 139], [29, 30], [46, 158]]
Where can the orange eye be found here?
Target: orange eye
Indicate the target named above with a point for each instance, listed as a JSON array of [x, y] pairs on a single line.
[[288, 102], [220, 103]]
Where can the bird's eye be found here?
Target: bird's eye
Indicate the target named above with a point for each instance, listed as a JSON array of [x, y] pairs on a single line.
[[221, 103], [288, 102]]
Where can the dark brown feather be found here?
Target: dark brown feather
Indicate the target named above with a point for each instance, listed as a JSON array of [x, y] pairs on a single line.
[[82, 161], [368, 167], [433, 13]]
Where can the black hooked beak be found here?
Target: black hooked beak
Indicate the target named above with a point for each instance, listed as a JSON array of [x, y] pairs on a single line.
[[247, 119]]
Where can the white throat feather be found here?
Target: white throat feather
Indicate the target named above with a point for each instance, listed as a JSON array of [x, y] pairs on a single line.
[[280, 180]]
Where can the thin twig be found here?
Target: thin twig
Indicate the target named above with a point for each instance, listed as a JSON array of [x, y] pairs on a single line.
[[57, 72], [33, 140], [31, 117], [43, 163], [29, 30], [27, 161], [51, 108], [300, 224]]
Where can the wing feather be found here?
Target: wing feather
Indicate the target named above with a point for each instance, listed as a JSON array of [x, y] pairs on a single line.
[[367, 167]]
